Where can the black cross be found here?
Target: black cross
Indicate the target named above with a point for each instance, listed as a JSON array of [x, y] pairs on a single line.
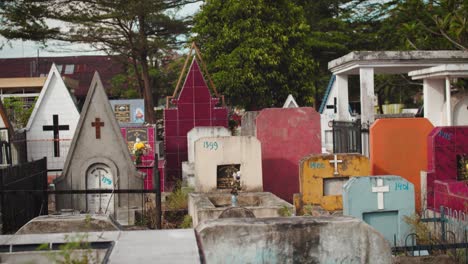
[[56, 128], [333, 106]]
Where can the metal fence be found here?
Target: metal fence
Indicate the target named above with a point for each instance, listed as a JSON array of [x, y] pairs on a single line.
[[16, 206], [347, 137]]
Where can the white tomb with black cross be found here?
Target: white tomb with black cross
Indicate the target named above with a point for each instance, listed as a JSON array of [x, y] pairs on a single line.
[[99, 159], [52, 123]]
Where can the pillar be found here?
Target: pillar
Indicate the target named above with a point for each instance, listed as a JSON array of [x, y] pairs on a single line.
[[343, 99], [433, 90], [448, 100], [366, 77]]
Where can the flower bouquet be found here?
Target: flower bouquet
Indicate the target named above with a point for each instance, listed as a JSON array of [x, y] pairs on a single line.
[[139, 149]]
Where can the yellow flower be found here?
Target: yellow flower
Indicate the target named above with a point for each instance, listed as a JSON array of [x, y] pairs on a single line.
[[139, 146]]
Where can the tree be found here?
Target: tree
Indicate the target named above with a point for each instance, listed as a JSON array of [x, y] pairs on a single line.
[[257, 52], [427, 25], [142, 30]]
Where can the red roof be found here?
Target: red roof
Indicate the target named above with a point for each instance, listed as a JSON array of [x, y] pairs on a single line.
[[80, 68]]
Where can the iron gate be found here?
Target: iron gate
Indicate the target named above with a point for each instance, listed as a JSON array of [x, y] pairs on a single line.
[[347, 136], [17, 207]]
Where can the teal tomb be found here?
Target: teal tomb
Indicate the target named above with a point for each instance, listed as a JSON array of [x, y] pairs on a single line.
[[382, 202]]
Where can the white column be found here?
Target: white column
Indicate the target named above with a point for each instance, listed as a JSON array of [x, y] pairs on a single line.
[[448, 98], [366, 77], [343, 99], [433, 90]]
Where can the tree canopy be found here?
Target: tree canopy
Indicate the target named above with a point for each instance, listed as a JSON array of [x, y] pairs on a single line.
[[256, 51]]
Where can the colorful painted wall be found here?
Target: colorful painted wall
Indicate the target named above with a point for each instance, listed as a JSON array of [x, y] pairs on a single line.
[[447, 177], [286, 135], [398, 146]]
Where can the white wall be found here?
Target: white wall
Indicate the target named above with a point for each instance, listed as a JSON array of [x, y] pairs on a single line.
[[54, 99], [243, 150]]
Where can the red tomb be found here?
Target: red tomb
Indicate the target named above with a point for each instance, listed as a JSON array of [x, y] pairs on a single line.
[[447, 177], [287, 135], [194, 107], [147, 135]]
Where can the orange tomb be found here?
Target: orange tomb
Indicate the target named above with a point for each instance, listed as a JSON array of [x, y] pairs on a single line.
[[398, 146]]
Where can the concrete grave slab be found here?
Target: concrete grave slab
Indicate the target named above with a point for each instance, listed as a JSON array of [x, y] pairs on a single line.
[[383, 202], [194, 107], [146, 246], [287, 135], [188, 167], [323, 176], [447, 175], [212, 154], [292, 240], [205, 206], [398, 146], [99, 159], [52, 123]]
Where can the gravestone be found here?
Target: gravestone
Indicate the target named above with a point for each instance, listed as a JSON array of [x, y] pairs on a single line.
[[146, 135], [52, 124], [447, 175], [129, 110], [99, 159], [194, 107], [290, 102], [383, 202], [287, 135], [216, 158], [323, 176], [398, 146], [188, 167]]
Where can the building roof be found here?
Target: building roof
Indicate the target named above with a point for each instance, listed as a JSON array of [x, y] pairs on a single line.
[[79, 68], [442, 71], [394, 62], [23, 82]]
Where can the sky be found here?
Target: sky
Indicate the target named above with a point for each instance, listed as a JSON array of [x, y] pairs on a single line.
[[22, 49]]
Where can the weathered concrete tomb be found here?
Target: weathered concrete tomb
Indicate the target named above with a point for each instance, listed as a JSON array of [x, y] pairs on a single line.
[[216, 156], [188, 167], [383, 202], [292, 240], [323, 176], [239, 240], [210, 206], [99, 159]]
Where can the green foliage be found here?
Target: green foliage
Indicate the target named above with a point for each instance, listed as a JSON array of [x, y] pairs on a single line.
[[257, 52], [178, 199], [187, 222], [308, 210], [76, 250], [421, 230], [428, 25], [284, 211], [18, 111]]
